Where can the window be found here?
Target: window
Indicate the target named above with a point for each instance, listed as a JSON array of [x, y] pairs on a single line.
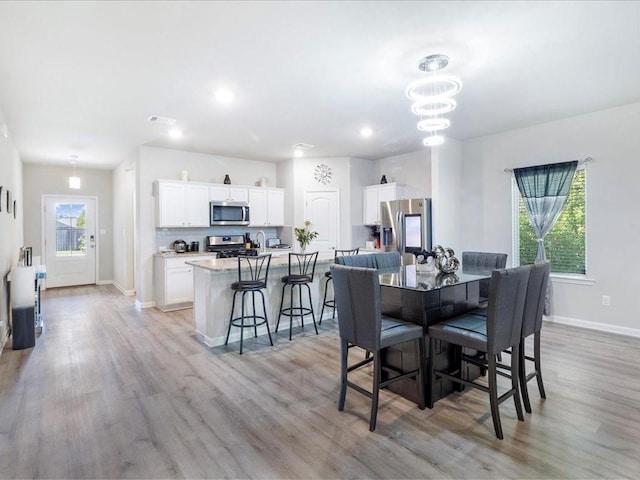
[[565, 244], [70, 235]]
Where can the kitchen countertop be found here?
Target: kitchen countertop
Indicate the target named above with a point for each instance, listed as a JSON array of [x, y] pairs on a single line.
[[171, 254], [231, 264]]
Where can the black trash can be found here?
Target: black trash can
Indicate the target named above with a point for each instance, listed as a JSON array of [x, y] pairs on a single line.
[[23, 329]]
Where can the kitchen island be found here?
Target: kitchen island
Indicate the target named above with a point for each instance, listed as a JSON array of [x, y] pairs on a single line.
[[212, 295]]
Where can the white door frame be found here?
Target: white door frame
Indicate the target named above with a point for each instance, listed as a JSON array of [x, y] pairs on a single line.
[[43, 250]]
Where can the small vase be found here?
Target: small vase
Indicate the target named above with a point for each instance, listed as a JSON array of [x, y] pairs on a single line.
[[227, 180], [383, 179]]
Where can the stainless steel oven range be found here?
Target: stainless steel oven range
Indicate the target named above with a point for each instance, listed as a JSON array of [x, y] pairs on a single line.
[[228, 246]]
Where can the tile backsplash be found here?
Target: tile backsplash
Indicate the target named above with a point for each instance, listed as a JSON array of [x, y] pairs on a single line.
[[166, 236]]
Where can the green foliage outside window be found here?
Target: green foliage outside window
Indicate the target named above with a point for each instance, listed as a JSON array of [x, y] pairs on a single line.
[[565, 243]]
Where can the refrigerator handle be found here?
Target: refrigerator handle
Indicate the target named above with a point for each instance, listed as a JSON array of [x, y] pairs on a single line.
[[400, 234]]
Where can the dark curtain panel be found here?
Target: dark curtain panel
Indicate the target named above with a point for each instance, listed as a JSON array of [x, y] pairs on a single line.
[[544, 189]]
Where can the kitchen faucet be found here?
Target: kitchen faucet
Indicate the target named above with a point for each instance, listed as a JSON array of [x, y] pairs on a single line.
[[264, 240]]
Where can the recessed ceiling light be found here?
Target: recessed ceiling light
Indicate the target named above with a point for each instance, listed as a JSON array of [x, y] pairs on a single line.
[[224, 95], [298, 152], [366, 132], [175, 133]]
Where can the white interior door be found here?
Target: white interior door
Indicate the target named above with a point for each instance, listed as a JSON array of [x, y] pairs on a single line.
[[321, 208], [69, 240]]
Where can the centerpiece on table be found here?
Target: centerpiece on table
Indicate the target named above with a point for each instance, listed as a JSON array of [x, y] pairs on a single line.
[[305, 235]]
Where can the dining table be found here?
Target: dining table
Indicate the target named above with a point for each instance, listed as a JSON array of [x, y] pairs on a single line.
[[426, 298]]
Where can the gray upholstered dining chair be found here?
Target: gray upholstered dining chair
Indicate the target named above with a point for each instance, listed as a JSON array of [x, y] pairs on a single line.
[[361, 323], [532, 325], [483, 263], [499, 330]]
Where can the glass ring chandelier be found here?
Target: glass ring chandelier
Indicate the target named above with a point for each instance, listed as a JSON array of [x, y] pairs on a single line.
[[431, 97]]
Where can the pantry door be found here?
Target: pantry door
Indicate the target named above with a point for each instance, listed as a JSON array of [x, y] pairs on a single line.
[[69, 240], [322, 209]]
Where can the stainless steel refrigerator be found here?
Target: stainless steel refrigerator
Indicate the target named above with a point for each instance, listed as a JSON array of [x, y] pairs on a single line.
[[405, 226]]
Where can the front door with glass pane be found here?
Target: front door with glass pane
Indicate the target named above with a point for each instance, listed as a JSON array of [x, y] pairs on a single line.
[[69, 240]]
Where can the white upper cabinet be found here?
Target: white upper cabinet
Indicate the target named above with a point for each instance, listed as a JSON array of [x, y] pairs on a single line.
[[266, 207], [227, 193], [374, 194], [182, 204]]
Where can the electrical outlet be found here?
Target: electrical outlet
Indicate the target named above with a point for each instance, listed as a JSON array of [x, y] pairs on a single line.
[[606, 300]]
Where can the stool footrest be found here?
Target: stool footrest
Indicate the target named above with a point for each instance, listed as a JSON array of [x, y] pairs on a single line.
[[237, 322], [296, 311]]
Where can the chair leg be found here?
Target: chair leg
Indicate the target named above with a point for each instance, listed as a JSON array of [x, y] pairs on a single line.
[[493, 394], [420, 376], [255, 321], [300, 305], [324, 300], [313, 317], [375, 393], [242, 322], [515, 370], [233, 304], [344, 355], [537, 362], [266, 320], [522, 377], [431, 385], [281, 305], [291, 311]]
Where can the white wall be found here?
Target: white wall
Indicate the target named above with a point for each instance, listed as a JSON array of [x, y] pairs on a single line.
[[11, 228], [413, 169], [362, 173], [446, 195], [613, 222], [124, 226], [303, 169], [159, 163], [54, 180]]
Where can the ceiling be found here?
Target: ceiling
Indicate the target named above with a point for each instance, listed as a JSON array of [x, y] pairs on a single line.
[[81, 78]]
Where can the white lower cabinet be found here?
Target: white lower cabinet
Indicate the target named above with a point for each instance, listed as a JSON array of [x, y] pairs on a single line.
[[174, 282]]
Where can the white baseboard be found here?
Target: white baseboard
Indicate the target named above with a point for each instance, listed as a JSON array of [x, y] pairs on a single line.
[[104, 282], [602, 327], [140, 305], [123, 290]]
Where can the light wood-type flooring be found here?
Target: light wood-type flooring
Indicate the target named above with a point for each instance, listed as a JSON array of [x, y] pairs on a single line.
[[113, 392]]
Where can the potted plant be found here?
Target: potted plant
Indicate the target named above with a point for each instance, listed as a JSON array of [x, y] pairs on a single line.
[[304, 235]]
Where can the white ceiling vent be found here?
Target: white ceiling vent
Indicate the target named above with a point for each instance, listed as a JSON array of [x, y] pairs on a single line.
[[161, 120], [303, 146]]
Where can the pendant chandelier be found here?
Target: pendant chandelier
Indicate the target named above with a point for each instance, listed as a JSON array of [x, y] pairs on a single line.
[[431, 97]]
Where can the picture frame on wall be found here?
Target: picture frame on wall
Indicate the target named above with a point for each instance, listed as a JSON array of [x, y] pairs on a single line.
[[14, 209], [9, 201]]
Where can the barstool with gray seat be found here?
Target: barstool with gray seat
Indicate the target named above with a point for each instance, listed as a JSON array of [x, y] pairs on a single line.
[[331, 303], [360, 322], [252, 278], [302, 267]]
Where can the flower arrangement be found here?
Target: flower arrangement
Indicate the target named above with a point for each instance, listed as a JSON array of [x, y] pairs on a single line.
[[304, 235]]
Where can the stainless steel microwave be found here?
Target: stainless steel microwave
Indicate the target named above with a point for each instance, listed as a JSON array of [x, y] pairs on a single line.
[[229, 213]]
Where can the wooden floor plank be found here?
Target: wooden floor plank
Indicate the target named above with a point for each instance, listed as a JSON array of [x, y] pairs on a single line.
[[110, 391]]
